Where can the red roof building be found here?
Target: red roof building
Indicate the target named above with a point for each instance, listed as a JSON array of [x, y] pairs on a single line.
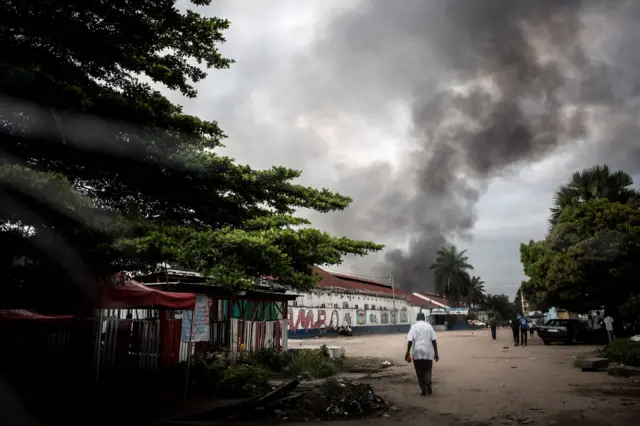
[[332, 279]]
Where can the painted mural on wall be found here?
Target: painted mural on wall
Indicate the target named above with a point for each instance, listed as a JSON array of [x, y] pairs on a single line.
[[302, 319], [403, 317], [373, 318], [347, 319], [362, 317], [384, 318]]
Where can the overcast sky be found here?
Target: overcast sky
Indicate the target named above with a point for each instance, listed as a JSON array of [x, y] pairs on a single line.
[[330, 87]]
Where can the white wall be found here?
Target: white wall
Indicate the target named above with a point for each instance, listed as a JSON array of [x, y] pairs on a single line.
[[334, 308]]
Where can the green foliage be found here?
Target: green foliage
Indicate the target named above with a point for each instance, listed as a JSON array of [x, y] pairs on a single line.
[[113, 176], [590, 258], [205, 375], [595, 183], [272, 359], [630, 309], [242, 380], [623, 351], [499, 305], [451, 274], [250, 376], [314, 364], [474, 291]]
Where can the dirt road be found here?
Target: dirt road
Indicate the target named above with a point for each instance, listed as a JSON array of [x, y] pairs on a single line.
[[483, 382]]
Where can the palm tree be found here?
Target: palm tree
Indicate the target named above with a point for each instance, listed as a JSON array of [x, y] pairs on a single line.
[[475, 292], [451, 273], [594, 183]]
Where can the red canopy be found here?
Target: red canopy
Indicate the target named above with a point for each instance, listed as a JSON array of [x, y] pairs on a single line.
[[134, 295], [23, 314]]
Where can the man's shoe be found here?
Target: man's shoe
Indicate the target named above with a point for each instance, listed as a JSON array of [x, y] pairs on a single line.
[[429, 390]]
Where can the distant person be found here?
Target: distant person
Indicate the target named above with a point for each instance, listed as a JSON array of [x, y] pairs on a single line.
[[493, 324], [515, 328], [532, 328], [597, 321], [608, 324], [523, 330], [422, 340]]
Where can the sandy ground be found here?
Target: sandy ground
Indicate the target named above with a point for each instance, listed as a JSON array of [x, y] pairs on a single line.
[[479, 381]]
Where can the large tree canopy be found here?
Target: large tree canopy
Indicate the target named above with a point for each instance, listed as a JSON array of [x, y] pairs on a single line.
[[591, 184], [102, 173], [590, 258]]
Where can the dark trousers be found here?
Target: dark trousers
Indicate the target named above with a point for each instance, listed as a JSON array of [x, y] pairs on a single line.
[[493, 333], [523, 337], [423, 371], [531, 332], [516, 336]]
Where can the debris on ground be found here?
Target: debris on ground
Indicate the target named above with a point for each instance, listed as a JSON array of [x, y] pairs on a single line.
[[334, 399], [591, 364]]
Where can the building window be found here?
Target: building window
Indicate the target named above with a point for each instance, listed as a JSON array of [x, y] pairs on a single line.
[[335, 306], [345, 305], [366, 306], [295, 303], [323, 305], [373, 306], [356, 306]]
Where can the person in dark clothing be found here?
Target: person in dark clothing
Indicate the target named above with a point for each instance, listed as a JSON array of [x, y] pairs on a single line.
[[523, 330], [515, 328], [494, 326]]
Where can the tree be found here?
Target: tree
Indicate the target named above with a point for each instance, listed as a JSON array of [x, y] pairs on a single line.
[[589, 260], [136, 181], [475, 292], [499, 305], [591, 184], [451, 273]]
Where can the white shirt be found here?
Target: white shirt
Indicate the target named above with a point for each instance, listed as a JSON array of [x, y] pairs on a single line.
[[421, 334], [608, 323]]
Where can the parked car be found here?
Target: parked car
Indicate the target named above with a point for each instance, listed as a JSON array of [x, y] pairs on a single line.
[[476, 324], [567, 331]]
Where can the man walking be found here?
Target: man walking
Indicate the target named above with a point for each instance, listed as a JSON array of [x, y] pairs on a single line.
[[494, 326], [515, 328], [608, 324], [523, 330], [422, 340]]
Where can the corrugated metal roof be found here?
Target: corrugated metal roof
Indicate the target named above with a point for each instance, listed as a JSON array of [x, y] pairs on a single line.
[[335, 279], [435, 298]]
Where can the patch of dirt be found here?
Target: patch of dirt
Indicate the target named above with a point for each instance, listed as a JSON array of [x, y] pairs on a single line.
[[627, 391]]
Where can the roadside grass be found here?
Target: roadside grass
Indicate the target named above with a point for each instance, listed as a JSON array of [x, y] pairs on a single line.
[[250, 375], [623, 351]]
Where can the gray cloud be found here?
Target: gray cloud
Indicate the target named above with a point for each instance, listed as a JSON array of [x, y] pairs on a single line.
[[487, 88]]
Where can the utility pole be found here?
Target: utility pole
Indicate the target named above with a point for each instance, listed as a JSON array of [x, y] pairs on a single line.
[[522, 300], [393, 295]]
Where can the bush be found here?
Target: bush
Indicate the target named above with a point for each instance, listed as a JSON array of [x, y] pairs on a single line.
[[205, 375], [314, 364], [623, 351], [242, 381], [271, 359]]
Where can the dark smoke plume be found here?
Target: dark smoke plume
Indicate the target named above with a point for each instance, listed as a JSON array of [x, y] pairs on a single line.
[[491, 85]]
